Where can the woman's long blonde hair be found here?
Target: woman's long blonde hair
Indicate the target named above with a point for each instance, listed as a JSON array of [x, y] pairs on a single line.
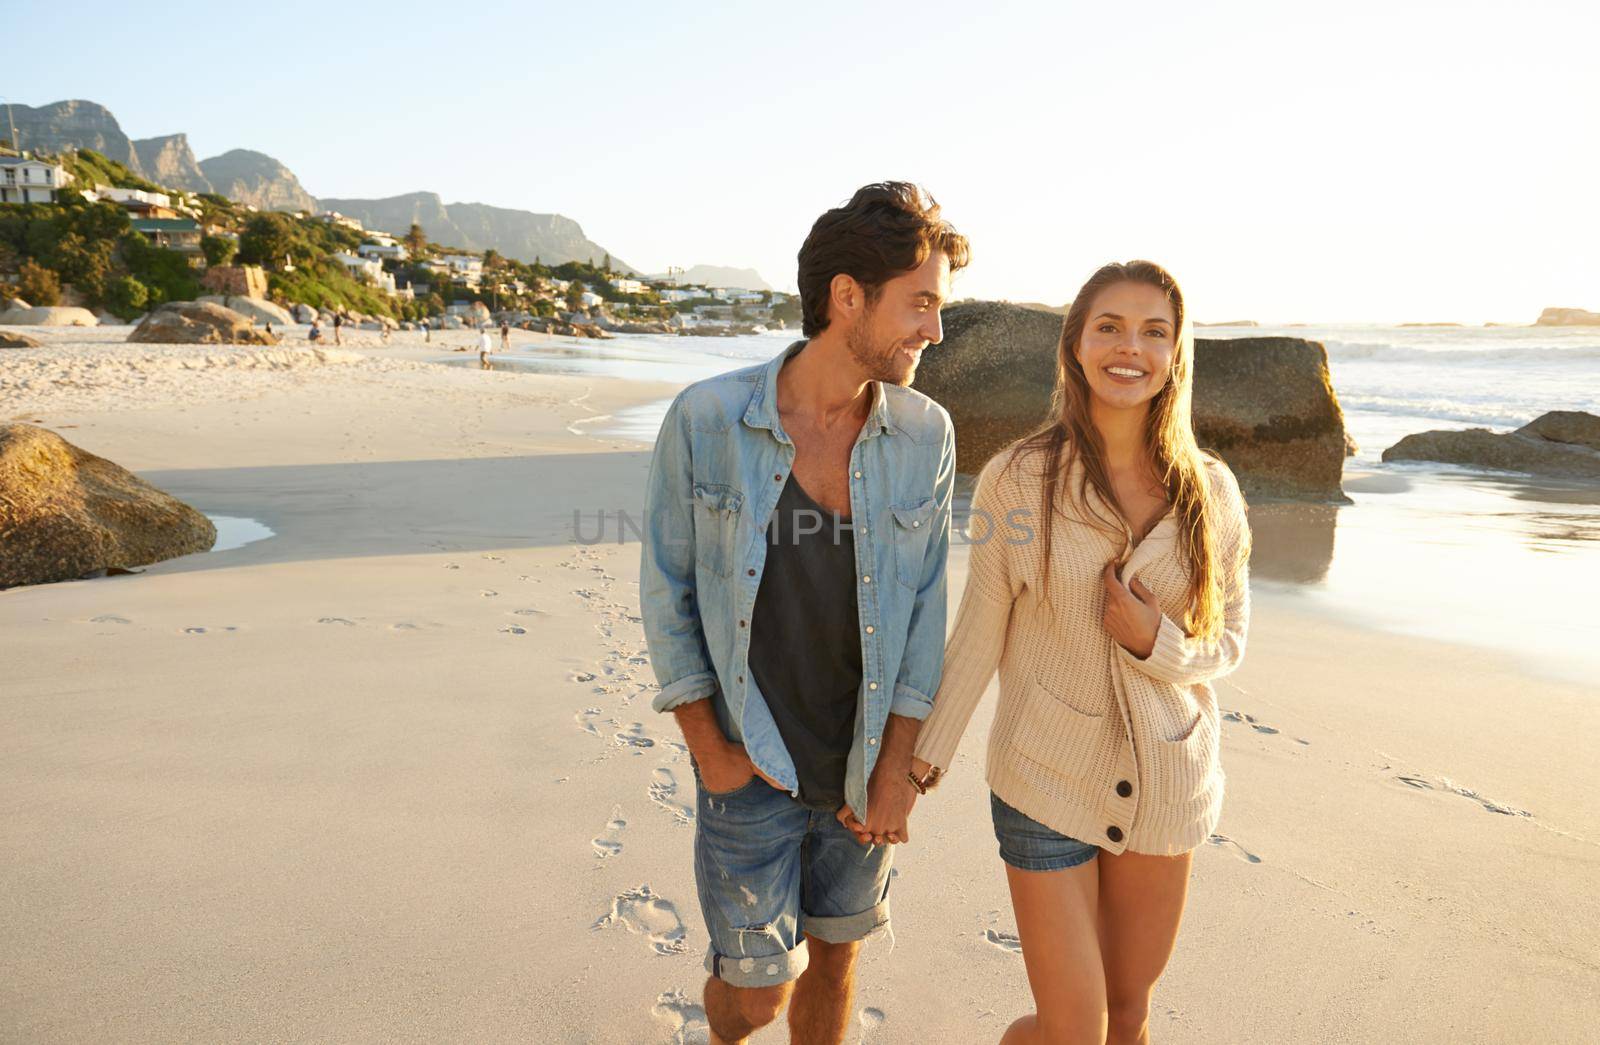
[[1070, 436]]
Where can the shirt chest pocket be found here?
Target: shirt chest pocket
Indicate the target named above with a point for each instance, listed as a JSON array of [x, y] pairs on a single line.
[[912, 523], [716, 526]]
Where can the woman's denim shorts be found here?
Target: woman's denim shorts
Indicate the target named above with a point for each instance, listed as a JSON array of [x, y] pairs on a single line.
[[1028, 845]]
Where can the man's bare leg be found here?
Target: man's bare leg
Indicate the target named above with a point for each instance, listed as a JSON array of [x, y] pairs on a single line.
[[820, 1011], [735, 1013]]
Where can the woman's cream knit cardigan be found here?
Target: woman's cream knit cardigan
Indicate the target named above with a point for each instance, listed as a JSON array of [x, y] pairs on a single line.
[[1088, 739]]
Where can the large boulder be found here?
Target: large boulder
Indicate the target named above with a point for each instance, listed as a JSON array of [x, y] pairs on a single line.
[[304, 313], [199, 323], [11, 340], [1562, 444], [1266, 405], [45, 316], [260, 310], [1567, 317], [65, 513]]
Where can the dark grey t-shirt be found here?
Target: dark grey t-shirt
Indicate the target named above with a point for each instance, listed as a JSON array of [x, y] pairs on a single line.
[[805, 643]]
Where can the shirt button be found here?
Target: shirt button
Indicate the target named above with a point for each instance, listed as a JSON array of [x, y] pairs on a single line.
[[751, 572], [872, 740], [872, 685], [777, 478], [1124, 788], [1114, 833], [869, 629], [865, 579], [858, 473], [863, 529], [741, 678], [741, 624], [915, 523]]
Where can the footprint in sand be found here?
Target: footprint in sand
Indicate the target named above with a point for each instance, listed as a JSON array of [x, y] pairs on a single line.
[[684, 1017], [642, 912], [493, 558], [109, 618], [664, 793], [530, 613], [1260, 727], [1007, 942], [1238, 850], [585, 720], [204, 631], [634, 736], [871, 1020], [513, 629], [403, 625], [606, 843], [1420, 784], [583, 676], [451, 566], [336, 620], [486, 593]]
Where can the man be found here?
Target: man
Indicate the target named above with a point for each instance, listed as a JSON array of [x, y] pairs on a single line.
[[792, 580]]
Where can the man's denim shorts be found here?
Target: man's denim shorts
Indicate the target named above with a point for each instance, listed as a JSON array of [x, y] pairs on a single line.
[[1028, 845], [769, 871]]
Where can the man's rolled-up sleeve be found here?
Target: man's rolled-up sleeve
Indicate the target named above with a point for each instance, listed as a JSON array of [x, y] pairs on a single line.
[[923, 662], [667, 597]]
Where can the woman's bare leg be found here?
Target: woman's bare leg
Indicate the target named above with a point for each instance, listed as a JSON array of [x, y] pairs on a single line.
[[1141, 905], [1056, 921]]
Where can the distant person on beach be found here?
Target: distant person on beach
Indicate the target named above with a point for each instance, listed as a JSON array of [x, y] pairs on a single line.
[[505, 336], [1108, 615], [792, 579], [316, 331], [485, 345], [427, 332], [338, 322]]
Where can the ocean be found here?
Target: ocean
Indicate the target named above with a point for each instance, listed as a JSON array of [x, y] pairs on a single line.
[[1478, 558]]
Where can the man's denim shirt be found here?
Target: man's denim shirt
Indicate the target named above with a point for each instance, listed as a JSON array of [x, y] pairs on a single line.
[[720, 463]]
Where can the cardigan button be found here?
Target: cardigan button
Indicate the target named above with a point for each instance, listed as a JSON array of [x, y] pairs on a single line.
[[1114, 833], [1124, 788]]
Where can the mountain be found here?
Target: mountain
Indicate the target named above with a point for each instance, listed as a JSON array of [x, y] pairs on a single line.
[[169, 161], [257, 179], [516, 234], [722, 276], [71, 124]]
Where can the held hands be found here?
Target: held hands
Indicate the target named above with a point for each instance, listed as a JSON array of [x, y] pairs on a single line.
[[890, 796], [1132, 615]]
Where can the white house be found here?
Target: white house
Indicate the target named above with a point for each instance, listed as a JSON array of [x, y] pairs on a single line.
[[24, 180], [364, 269], [391, 251], [333, 217], [465, 267], [627, 286], [590, 299]]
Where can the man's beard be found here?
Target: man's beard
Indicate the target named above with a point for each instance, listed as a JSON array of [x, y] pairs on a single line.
[[882, 362]]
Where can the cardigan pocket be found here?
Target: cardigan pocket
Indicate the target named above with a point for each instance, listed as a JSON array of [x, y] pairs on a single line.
[[1187, 765], [1056, 736]]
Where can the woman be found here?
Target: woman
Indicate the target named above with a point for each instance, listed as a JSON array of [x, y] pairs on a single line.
[[1107, 618]]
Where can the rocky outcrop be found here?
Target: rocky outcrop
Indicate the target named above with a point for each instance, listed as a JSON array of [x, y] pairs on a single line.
[[519, 234], [1567, 317], [304, 313], [1565, 426], [1264, 404], [199, 323], [169, 161], [260, 312], [65, 513], [72, 124], [1561, 444], [257, 179], [13, 340], [249, 281], [48, 316]]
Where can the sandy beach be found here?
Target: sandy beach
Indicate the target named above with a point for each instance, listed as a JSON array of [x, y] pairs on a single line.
[[391, 774]]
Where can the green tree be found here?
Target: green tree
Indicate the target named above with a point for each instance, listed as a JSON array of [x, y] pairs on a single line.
[[37, 285], [493, 260], [416, 241], [607, 263], [435, 305], [575, 292], [126, 297], [267, 239], [219, 250]]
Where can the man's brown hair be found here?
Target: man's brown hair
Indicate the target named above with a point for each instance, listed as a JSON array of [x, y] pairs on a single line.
[[888, 228]]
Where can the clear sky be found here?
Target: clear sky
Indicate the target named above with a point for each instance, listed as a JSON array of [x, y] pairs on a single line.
[[1289, 162]]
